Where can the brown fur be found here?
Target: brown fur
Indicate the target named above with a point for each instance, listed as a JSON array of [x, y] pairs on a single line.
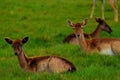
[[53, 64], [102, 26], [109, 46]]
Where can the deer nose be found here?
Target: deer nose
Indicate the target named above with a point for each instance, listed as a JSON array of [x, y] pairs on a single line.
[[110, 31], [16, 53], [78, 35]]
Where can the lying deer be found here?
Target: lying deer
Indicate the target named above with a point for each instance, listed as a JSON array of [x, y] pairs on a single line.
[[107, 46], [102, 26], [53, 64]]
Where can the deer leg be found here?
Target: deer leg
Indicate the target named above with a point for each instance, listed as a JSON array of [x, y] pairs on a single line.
[[93, 8], [114, 6]]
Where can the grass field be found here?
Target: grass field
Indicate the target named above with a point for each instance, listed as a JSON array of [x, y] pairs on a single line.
[[44, 21]]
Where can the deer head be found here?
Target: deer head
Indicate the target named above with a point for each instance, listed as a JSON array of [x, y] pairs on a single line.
[[17, 44], [78, 27], [103, 25]]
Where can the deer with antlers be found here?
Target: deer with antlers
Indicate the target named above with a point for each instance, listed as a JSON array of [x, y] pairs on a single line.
[[112, 4], [102, 26], [107, 46], [53, 64]]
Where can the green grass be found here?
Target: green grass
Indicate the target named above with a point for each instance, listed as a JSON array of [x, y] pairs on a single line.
[[44, 21]]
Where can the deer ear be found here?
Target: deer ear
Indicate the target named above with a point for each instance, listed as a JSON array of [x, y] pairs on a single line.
[[70, 23], [99, 20], [25, 40], [8, 40], [84, 22]]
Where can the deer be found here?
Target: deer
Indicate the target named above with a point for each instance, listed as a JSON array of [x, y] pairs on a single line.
[[104, 46], [102, 26], [112, 4], [50, 64]]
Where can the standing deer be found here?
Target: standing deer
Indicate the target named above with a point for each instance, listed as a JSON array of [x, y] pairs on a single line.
[[107, 46], [112, 4], [102, 26], [39, 64]]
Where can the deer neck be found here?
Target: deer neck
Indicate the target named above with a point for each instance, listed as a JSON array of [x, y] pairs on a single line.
[[23, 60], [82, 42], [97, 32]]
